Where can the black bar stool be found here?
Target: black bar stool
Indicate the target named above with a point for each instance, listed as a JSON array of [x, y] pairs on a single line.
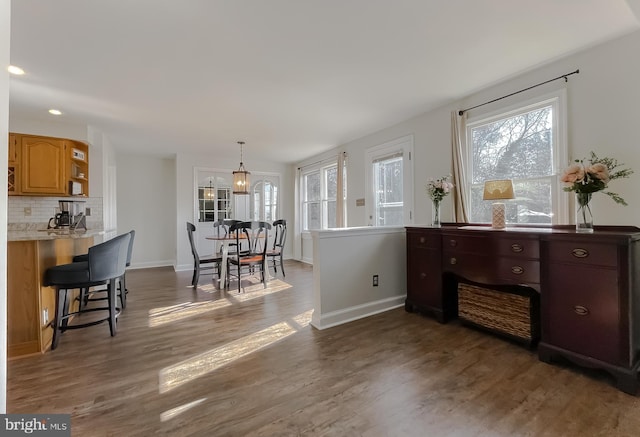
[[106, 263]]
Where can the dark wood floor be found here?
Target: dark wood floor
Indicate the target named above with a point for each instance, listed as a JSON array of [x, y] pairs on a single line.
[[206, 363]]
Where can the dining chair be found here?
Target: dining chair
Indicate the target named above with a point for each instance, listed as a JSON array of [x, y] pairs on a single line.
[[221, 228], [246, 262], [105, 265], [201, 265], [280, 229]]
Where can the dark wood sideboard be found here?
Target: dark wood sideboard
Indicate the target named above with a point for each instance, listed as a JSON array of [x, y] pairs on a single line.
[[582, 290]]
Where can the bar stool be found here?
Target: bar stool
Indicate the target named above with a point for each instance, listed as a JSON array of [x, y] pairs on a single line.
[[122, 283], [106, 263]]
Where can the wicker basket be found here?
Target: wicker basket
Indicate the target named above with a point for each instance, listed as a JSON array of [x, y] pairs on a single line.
[[513, 312]]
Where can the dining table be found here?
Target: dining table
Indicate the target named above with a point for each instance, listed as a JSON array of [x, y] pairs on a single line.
[[225, 242]]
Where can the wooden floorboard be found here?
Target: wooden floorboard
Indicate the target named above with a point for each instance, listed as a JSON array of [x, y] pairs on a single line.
[[211, 363]]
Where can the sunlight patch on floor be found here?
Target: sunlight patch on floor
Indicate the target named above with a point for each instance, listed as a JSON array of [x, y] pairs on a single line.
[[179, 312], [170, 414], [174, 376]]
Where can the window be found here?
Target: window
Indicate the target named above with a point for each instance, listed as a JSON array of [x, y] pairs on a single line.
[[319, 188], [265, 199], [214, 201], [389, 176], [525, 145]]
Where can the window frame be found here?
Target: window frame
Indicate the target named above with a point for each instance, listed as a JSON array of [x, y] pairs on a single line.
[[323, 201], [557, 99], [404, 147]]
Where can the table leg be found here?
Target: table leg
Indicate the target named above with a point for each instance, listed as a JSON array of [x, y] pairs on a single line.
[[222, 282]]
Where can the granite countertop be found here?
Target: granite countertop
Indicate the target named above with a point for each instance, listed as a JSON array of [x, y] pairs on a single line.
[[50, 234]]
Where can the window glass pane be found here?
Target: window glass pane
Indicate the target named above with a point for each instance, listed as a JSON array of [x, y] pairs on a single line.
[[517, 147], [331, 213], [312, 215], [388, 177], [331, 175], [312, 186]]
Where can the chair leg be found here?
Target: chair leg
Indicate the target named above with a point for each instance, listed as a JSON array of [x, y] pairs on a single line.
[[196, 275], [122, 286], [111, 298], [57, 323], [281, 266], [239, 277], [275, 269], [65, 309]]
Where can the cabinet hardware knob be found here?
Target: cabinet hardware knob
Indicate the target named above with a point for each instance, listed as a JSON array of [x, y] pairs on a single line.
[[517, 247], [421, 239], [423, 275], [453, 261], [580, 310], [517, 270], [580, 253], [453, 243]]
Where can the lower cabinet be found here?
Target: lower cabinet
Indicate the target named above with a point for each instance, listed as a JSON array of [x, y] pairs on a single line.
[[589, 307], [587, 284]]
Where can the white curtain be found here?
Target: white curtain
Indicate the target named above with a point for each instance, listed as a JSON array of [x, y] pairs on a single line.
[[458, 135], [341, 195]]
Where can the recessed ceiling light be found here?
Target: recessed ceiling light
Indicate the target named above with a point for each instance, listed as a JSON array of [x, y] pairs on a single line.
[[55, 112], [15, 70]]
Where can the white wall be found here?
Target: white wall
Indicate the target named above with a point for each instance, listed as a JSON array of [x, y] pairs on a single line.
[[146, 199], [184, 207], [602, 116], [5, 14], [344, 262]]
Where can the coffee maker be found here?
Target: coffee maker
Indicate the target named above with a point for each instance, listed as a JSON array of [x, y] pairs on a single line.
[[71, 215]]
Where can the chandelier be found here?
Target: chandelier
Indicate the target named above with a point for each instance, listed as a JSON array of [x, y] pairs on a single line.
[[241, 177]]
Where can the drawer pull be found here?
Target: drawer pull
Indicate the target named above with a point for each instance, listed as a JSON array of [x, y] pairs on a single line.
[[515, 247], [580, 310], [580, 253], [422, 239], [453, 261], [453, 243], [517, 270]]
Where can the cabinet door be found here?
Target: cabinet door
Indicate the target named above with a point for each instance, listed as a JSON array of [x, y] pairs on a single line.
[[43, 165], [581, 307], [13, 171]]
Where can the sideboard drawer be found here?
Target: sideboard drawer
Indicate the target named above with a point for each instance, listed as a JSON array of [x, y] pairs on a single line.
[[465, 243], [518, 247], [473, 267], [424, 239], [584, 253], [517, 271]]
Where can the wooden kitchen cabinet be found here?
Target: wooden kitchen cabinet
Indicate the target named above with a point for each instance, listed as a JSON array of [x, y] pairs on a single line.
[[13, 172], [47, 166]]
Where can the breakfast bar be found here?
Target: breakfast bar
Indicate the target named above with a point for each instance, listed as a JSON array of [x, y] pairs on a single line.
[[30, 304]]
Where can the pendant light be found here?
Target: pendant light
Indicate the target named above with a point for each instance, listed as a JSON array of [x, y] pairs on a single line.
[[209, 193], [241, 177]]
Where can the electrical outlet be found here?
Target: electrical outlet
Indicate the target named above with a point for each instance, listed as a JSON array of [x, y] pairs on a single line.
[[27, 210], [87, 211], [375, 280], [45, 316]]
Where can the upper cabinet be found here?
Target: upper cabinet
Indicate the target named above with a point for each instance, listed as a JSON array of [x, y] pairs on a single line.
[[14, 166], [47, 166]]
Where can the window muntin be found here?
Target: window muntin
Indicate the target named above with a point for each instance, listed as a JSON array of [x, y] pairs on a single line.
[[265, 200], [388, 189], [523, 145], [319, 188], [214, 200]]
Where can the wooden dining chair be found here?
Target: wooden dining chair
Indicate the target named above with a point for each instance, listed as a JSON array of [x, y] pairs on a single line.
[[201, 265], [280, 229], [247, 262]]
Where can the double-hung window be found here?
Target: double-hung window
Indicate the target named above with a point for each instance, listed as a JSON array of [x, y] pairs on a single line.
[[525, 144], [319, 188]]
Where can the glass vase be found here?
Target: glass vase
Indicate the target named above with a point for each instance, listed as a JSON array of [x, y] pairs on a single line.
[[584, 216], [435, 214]]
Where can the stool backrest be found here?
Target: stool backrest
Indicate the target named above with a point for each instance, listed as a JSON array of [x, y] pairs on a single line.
[[108, 260], [130, 249]]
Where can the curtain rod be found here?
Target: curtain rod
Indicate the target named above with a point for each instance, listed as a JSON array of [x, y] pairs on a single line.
[[564, 76], [319, 162]]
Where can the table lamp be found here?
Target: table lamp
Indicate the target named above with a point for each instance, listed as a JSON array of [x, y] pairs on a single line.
[[498, 190]]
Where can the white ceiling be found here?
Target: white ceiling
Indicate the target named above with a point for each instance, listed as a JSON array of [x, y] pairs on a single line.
[[292, 78]]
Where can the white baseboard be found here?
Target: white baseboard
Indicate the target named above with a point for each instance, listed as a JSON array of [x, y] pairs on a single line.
[[339, 317], [152, 264]]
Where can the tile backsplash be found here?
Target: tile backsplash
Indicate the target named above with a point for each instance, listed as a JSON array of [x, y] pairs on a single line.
[[41, 209]]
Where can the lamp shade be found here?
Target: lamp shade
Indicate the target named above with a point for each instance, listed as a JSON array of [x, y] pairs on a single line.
[[498, 190]]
